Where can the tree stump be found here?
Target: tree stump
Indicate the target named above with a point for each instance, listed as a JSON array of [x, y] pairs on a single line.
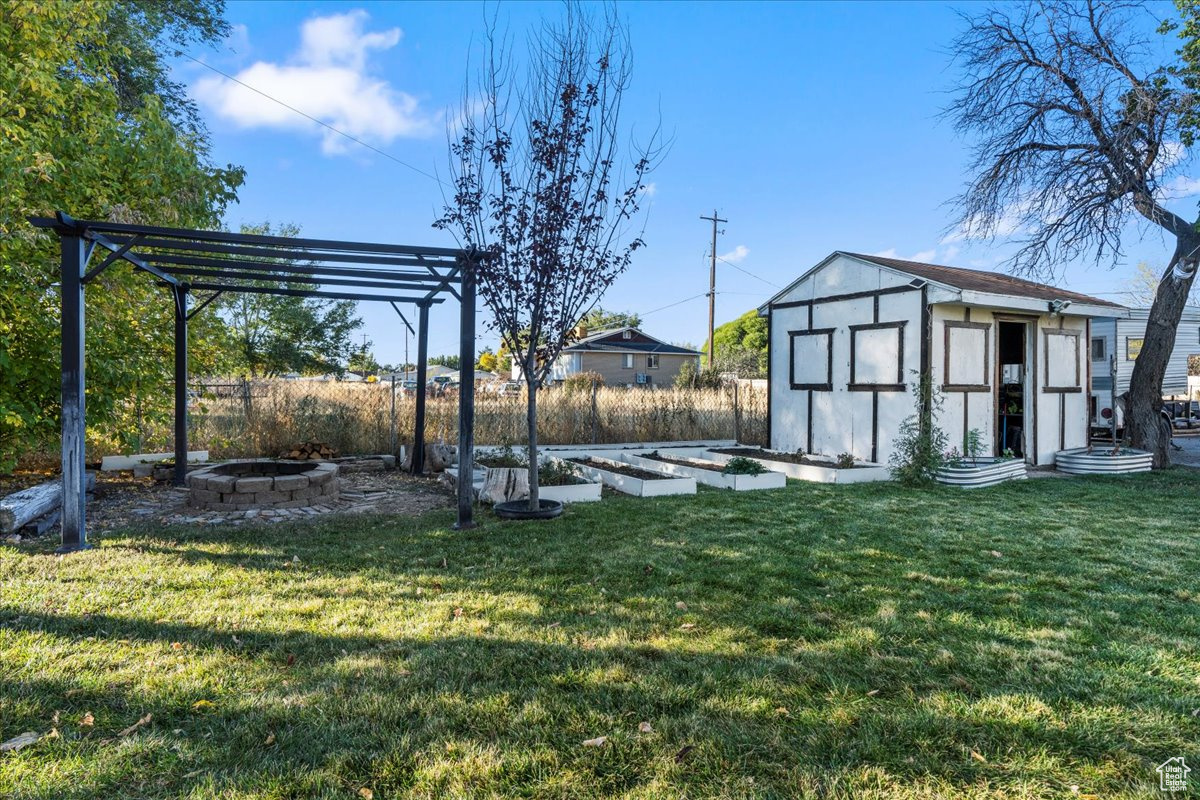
[[503, 484]]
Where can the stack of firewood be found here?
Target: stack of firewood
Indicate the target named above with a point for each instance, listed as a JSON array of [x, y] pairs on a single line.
[[316, 451]]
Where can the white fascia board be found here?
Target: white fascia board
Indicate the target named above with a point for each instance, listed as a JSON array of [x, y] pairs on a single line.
[[1006, 301]]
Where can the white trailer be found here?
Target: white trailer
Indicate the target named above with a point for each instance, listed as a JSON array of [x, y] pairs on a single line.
[[1114, 348]]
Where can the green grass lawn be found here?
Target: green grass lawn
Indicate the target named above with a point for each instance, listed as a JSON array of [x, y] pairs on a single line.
[[814, 641]]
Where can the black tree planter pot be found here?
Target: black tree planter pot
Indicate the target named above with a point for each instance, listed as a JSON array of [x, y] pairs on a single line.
[[519, 509]]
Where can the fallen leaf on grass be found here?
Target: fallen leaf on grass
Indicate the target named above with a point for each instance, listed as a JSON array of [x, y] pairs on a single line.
[[366, 794], [203, 705], [87, 721], [291, 659], [683, 753], [644, 727], [270, 740], [176, 645], [872, 693], [783, 712], [687, 626], [458, 612], [17, 742], [995, 553], [144, 720], [597, 742], [682, 606], [978, 757], [554, 625]]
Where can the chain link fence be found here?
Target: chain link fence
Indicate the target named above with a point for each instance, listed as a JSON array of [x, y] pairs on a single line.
[[263, 418]]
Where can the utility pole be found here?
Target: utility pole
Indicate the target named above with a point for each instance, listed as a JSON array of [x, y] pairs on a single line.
[[712, 283]]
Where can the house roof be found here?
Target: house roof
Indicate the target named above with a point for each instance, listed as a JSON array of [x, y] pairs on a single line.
[[979, 281], [613, 341]]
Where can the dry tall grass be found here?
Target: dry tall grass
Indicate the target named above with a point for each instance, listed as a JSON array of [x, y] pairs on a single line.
[[358, 417]]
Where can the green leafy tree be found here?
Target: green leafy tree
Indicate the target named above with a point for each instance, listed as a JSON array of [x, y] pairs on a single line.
[[599, 319], [277, 334], [740, 346], [445, 361], [89, 124]]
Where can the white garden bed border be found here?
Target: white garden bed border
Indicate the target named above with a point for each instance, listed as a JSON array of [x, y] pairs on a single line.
[[702, 474], [864, 472], [661, 487]]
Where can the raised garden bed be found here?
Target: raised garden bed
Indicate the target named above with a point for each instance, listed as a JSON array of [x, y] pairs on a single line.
[[804, 467], [1103, 461], [975, 473], [555, 484], [706, 472], [633, 480]]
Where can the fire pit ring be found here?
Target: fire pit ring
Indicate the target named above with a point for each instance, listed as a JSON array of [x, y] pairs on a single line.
[[262, 483]]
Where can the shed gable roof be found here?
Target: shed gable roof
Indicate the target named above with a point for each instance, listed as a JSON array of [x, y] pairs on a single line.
[[979, 281]]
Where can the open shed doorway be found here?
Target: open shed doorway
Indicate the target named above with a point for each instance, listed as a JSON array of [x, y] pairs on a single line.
[[1014, 408]]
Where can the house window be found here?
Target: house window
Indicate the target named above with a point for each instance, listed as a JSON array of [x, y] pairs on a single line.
[[652, 361], [1098, 350], [626, 334], [627, 361]]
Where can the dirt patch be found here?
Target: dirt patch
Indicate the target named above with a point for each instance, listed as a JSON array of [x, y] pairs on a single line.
[[121, 500]]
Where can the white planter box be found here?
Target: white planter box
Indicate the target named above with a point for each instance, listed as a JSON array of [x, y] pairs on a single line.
[[637, 487], [978, 472], [864, 473], [709, 476], [1100, 461]]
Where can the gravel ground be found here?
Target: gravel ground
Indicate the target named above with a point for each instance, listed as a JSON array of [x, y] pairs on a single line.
[[121, 500]]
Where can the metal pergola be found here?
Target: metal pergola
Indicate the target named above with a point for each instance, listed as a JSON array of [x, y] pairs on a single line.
[[189, 261]]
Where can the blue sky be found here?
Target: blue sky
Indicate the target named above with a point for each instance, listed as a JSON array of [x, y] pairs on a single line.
[[811, 127]]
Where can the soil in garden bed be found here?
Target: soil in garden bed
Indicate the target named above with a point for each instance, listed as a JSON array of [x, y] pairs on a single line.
[[787, 458], [697, 463], [622, 469]]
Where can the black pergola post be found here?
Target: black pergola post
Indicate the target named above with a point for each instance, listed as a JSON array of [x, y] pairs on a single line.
[[418, 456], [74, 476], [466, 398], [179, 293], [186, 259]]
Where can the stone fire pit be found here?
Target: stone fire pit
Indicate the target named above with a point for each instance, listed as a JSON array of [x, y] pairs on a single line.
[[265, 483]]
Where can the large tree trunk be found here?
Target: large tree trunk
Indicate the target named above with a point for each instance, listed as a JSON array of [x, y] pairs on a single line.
[[1143, 421], [531, 421]]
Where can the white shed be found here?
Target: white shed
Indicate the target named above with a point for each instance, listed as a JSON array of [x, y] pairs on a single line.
[[851, 337]]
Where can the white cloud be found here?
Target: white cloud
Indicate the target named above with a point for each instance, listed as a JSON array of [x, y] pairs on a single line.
[[737, 255], [650, 189], [889, 253], [1179, 187], [924, 255], [328, 79]]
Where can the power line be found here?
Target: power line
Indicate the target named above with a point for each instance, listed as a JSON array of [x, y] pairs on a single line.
[[323, 124], [672, 305], [748, 272]]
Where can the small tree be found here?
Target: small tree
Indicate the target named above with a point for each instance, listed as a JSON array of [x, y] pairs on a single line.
[[540, 189], [1077, 130]]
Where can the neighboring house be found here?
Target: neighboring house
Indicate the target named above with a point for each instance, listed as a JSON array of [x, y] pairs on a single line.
[[622, 357], [1123, 338], [850, 338]]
